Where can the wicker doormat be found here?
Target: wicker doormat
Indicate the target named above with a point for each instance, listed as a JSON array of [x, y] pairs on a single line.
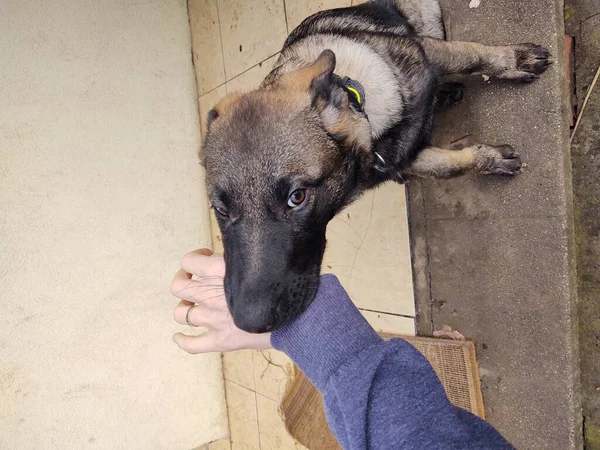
[[453, 361]]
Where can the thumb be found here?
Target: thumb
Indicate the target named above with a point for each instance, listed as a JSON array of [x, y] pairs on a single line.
[[203, 343]]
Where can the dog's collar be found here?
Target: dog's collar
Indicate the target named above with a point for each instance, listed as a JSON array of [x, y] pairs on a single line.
[[356, 95], [355, 90]]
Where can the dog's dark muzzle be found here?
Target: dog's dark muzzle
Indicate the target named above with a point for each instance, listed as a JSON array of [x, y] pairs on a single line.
[[271, 275], [260, 307], [254, 310]]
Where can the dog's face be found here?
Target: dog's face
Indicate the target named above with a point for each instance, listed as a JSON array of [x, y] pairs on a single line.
[[280, 163]]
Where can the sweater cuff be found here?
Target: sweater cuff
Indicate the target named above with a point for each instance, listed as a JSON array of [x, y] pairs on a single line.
[[328, 334]]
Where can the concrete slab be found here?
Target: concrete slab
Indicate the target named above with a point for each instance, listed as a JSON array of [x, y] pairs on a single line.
[[494, 258], [583, 22]]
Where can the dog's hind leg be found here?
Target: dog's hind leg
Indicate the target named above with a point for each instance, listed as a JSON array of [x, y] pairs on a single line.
[[434, 162], [522, 62], [424, 15]]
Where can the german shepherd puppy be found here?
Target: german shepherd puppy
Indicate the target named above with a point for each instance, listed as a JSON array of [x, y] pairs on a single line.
[[348, 106]]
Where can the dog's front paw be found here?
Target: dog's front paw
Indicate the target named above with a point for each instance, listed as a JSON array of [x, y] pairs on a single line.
[[449, 94], [500, 160], [530, 61]]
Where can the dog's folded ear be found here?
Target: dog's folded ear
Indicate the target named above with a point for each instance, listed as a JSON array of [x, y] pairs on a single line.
[[323, 89], [311, 76], [225, 104], [221, 108], [330, 99]]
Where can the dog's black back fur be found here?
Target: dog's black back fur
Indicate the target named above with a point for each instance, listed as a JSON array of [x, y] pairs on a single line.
[[382, 27]]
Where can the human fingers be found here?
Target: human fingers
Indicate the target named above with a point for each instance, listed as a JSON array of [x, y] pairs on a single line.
[[203, 343], [203, 263], [200, 315], [184, 287]]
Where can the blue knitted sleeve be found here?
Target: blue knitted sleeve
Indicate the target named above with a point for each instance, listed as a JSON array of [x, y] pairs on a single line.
[[378, 394]]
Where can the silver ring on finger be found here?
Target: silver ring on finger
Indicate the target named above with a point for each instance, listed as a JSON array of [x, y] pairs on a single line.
[[187, 316]]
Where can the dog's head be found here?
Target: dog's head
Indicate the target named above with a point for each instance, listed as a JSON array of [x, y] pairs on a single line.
[[280, 163]]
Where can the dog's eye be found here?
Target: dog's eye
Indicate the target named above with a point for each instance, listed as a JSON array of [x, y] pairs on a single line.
[[221, 211], [297, 198]]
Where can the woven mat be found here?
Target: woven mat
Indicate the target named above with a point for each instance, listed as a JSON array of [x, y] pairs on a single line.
[[453, 361]]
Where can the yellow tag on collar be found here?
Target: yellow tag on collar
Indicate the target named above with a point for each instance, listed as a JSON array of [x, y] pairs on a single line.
[[356, 93]]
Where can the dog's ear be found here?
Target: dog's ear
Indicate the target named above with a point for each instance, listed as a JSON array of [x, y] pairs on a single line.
[[222, 107], [322, 88], [331, 101], [313, 75]]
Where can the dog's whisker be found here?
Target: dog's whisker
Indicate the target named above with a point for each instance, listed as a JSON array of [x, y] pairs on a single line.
[[209, 298], [195, 288], [210, 277], [210, 286], [190, 283], [200, 294]]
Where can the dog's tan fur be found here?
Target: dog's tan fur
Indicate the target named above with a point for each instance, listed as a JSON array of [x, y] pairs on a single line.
[[434, 162], [302, 130]]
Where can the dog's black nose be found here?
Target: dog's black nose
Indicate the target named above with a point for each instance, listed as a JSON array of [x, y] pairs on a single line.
[[252, 324], [254, 317]]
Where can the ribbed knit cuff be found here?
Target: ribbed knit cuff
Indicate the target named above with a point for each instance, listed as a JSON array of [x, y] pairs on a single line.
[[330, 332]]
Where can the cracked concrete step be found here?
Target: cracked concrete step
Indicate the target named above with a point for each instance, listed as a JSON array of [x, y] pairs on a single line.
[[583, 22], [494, 258]]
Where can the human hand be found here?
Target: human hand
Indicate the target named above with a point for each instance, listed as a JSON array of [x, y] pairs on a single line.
[[203, 304]]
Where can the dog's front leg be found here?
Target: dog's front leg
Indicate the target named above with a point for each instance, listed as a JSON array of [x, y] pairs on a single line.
[[434, 162], [521, 62]]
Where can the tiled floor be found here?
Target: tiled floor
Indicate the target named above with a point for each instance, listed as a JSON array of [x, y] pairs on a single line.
[[235, 44]]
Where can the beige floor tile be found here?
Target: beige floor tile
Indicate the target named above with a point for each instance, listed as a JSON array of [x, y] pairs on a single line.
[[358, 2], [206, 44], [243, 420], [368, 249], [271, 369], [252, 78], [252, 31], [273, 435], [387, 323], [222, 444], [207, 101], [238, 367], [298, 10]]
